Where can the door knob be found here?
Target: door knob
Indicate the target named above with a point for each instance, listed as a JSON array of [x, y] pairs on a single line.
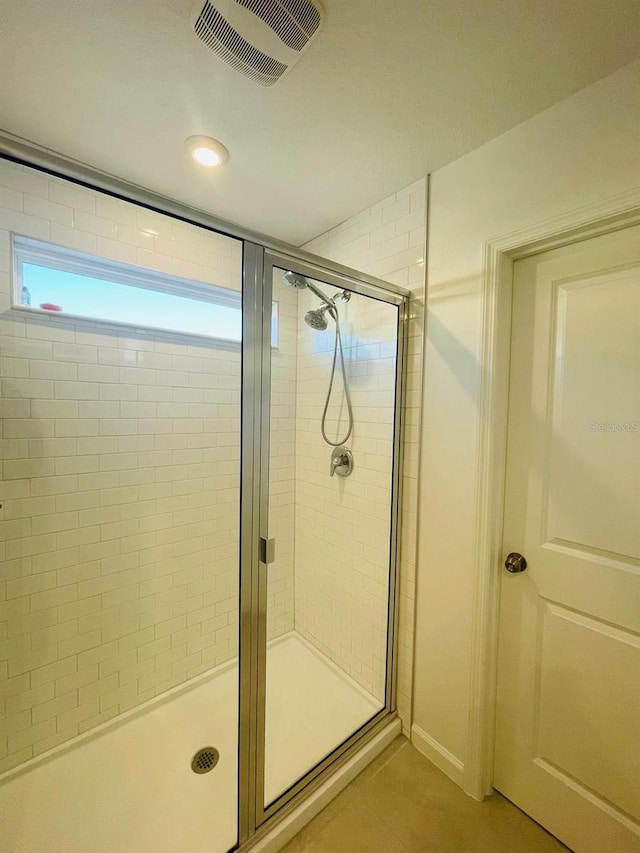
[[515, 563]]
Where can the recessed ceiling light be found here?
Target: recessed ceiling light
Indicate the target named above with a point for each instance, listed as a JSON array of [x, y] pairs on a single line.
[[206, 151]]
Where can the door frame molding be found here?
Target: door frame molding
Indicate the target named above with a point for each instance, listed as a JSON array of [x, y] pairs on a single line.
[[608, 215]]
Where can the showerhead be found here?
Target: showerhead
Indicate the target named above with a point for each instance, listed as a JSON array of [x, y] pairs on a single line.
[[294, 279], [300, 282], [316, 318]]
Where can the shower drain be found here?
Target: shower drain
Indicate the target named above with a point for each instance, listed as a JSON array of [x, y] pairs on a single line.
[[205, 759]]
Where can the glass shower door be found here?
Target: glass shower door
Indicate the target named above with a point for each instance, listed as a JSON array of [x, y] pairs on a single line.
[[119, 526], [333, 421]]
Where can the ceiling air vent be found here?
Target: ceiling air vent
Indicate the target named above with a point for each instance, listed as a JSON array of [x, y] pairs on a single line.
[[262, 39]]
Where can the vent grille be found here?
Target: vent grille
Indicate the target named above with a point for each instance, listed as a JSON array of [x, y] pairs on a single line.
[[306, 15], [227, 42], [295, 21]]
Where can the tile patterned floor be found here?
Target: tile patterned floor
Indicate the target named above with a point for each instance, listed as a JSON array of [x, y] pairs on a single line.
[[403, 804]]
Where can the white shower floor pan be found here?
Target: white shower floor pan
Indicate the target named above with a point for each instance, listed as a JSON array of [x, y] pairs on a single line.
[[130, 789]]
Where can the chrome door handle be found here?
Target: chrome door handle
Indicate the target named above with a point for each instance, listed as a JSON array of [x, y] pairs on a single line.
[[267, 550]]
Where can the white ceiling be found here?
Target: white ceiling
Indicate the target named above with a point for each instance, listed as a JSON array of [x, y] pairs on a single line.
[[389, 91]]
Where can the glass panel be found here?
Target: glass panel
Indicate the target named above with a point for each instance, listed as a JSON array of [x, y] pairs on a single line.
[[120, 535], [328, 589]]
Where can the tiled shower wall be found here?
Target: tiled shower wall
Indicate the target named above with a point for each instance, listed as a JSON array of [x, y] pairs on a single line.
[[120, 481], [388, 240], [343, 524]]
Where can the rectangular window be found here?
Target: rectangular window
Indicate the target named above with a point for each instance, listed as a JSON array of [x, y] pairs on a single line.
[[52, 280]]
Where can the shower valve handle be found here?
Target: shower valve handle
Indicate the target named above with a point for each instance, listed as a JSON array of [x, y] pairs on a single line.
[[341, 461], [337, 462]]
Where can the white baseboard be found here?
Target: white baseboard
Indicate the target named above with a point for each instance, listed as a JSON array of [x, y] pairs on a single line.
[[322, 796], [438, 755]]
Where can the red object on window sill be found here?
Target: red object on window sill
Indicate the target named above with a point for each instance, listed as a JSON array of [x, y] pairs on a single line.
[[49, 306]]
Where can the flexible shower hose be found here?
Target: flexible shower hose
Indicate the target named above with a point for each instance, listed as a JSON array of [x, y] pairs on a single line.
[[323, 422]]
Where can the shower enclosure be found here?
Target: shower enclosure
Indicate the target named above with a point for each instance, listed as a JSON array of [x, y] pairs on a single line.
[[199, 520]]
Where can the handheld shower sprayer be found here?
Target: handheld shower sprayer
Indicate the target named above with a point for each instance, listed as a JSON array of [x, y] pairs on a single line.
[[316, 318]]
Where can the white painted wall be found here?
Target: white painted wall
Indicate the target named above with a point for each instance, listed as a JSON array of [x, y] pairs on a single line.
[[577, 153]]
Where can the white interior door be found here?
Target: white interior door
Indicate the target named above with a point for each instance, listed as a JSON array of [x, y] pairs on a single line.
[[568, 709]]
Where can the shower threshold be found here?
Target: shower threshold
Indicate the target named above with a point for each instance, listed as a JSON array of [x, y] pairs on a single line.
[[130, 787]]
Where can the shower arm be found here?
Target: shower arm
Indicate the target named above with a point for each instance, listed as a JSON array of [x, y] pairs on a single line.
[[329, 302], [316, 290]]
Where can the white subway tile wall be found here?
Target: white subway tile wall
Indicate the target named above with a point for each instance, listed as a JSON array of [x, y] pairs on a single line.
[[343, 524], [388, 240], [120, 481]]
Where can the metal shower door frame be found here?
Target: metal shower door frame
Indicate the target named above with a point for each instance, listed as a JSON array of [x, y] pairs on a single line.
[[249, 568], [383, 292]]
